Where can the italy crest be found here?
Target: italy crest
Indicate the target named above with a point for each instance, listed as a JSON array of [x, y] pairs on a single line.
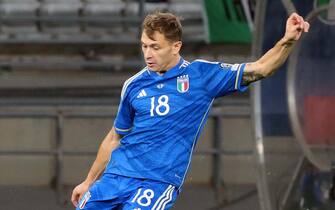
[[183, 83]]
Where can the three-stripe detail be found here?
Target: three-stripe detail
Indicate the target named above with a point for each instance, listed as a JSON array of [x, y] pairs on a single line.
[[128, 81], [164, 199], [205, 61], [184, 64], [238, 71], [141, 94]]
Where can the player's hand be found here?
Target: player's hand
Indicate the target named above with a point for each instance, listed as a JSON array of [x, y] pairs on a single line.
[[295, 26], [78, 192]]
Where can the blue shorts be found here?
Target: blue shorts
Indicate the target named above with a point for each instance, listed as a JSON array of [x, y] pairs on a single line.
[[123, 193]]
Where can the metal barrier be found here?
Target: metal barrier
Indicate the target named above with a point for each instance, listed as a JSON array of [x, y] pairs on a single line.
[[270, 198]]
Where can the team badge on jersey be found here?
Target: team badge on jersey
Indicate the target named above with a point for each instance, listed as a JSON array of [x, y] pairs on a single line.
[[183, 83]]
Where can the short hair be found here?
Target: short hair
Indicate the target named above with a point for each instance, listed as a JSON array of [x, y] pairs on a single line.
[[165, 23]]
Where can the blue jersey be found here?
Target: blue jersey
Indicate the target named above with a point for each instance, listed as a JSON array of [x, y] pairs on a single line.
[[161, 117]]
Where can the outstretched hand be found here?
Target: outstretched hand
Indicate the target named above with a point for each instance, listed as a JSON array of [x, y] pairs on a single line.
[[295, 26]]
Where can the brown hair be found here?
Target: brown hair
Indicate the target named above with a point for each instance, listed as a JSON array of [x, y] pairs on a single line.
[[163, 22]]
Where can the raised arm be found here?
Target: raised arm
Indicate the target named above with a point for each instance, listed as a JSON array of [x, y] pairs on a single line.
[[110, 142], [275, 57]]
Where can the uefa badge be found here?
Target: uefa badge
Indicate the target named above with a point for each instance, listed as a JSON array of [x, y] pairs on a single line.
[[183, 83]]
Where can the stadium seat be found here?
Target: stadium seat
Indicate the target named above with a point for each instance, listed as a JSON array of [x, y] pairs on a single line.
[[191, 13], [133, 7], [154, 6], [66, 14], [133, 10], [104, 9], [187, 9], [18, 16]]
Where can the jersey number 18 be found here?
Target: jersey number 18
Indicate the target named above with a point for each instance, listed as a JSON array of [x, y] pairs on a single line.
[[162, 108]]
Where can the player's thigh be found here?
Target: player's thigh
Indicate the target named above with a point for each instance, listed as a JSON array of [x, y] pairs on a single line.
[[155, 197]]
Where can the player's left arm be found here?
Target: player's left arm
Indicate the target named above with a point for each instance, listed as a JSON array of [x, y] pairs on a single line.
[[275, 57]]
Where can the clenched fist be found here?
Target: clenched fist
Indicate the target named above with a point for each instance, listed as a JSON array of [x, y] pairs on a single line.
[[295, 26]]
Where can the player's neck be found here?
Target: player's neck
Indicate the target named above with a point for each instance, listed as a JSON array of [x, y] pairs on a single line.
[[172, 64]]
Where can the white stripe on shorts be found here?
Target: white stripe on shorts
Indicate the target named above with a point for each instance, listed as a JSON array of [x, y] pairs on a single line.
[[166, 200], [162, 196]]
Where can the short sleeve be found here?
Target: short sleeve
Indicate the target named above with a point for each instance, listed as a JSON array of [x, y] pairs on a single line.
[[222, 79], [124, 119]]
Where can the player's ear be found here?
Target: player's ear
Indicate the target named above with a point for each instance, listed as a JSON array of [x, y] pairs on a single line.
[[176, 47]]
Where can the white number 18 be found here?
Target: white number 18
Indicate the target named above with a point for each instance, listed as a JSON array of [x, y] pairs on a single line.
[[162, 102], [145, 198]]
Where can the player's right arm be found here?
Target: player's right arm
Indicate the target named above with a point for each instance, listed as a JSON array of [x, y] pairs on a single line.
[[111, 141], [276, 56]]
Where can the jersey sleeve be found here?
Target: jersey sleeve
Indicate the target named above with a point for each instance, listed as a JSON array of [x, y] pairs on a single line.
[[123, 122], [221, 78]]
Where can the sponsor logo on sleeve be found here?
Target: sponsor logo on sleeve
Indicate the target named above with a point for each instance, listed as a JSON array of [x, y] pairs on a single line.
[[235, 67], [225, 65]]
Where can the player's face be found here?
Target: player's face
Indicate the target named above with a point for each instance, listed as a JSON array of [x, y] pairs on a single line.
[[159, 53]]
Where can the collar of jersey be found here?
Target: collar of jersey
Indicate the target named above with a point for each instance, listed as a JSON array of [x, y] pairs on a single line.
[[170, 73]]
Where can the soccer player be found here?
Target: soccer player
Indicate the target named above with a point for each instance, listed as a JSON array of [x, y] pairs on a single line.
[[142, 162]]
